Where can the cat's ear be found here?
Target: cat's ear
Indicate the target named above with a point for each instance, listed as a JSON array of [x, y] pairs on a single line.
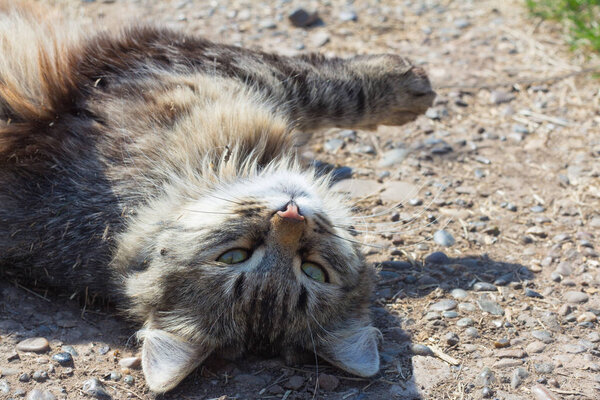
[[353, 350], [167, 359]]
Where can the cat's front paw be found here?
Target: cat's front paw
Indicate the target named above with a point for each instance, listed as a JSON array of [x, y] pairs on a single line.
[[398, 91]]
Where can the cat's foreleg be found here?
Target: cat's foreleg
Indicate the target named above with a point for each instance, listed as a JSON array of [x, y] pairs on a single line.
[[359, 92]]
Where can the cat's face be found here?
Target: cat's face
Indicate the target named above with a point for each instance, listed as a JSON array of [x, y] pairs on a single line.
[[263, 264]]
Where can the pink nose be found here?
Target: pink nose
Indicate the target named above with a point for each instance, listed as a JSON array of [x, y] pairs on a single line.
[[291, 212]]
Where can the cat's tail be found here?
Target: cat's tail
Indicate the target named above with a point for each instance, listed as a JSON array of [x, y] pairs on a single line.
[[36, 78]]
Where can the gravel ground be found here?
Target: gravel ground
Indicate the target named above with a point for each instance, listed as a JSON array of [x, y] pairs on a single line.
[[483, 216]]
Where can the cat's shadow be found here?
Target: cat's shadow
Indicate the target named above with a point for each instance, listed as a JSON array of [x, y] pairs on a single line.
[[403, 375]]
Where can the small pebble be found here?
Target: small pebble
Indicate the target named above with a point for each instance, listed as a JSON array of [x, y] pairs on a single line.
[[472, 332], [128, 379], [341, 173], [115, 376], [451, 338], [466, 307], [462, 23], [504, 279], [564, 268], [267, 24], [543, 336], [564, 310], [130, 362], [543, 368], [294, 383], [501, 343], [535, 347], [70, 350], [451, 314], [24, 377], [333, 145], [511, 353], [95, 388], [63, 358], [533, 293], [593, 337], [37, 394], [328, 382], [573, 348], [320, 39], [541, 393], [518, 128], [465, 322], [443, 238], [499, 97], [484, 287], [486, 392], [458, 294], [517, 377], [103, 350], [40, 376], [485, 378], [508, 363], [421, 350], [348, 16], [587, 317], [302, 18], [4, 387]]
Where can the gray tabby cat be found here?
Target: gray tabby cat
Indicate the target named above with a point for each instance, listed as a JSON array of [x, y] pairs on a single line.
[[159, 170]]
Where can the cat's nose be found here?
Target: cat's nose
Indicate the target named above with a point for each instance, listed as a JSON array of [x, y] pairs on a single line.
[[287, 226], [291, 212]]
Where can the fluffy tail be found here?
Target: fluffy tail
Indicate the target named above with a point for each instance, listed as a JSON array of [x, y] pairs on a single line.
[[35, 66]]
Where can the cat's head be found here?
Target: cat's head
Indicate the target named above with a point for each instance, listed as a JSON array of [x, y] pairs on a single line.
[[263, 263]]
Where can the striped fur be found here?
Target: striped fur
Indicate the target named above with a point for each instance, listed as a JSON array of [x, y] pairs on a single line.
[[129, 162]]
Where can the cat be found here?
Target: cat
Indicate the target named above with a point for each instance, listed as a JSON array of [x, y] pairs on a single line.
[[160, 170]]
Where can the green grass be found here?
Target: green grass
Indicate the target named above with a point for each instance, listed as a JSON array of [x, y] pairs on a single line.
[[580, 17]]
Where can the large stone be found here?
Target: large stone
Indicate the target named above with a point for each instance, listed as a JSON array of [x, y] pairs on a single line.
[[328, 382], [357, 188], [398, 192], [36, 345], [294, 383], [576, 297], [490, 306], [130, 362], [95, 388], [443, 305], [303, 18], [428, 373], [392, 157]]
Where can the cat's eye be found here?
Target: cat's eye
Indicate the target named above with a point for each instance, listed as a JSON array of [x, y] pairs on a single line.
[[314, 272], [234, 256]]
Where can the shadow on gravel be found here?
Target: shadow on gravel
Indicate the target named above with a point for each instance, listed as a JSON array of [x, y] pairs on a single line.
[[441, 272], [401, 279]]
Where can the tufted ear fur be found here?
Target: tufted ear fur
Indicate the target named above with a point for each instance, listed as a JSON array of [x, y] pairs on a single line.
[[167, 359], [353, 350]]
